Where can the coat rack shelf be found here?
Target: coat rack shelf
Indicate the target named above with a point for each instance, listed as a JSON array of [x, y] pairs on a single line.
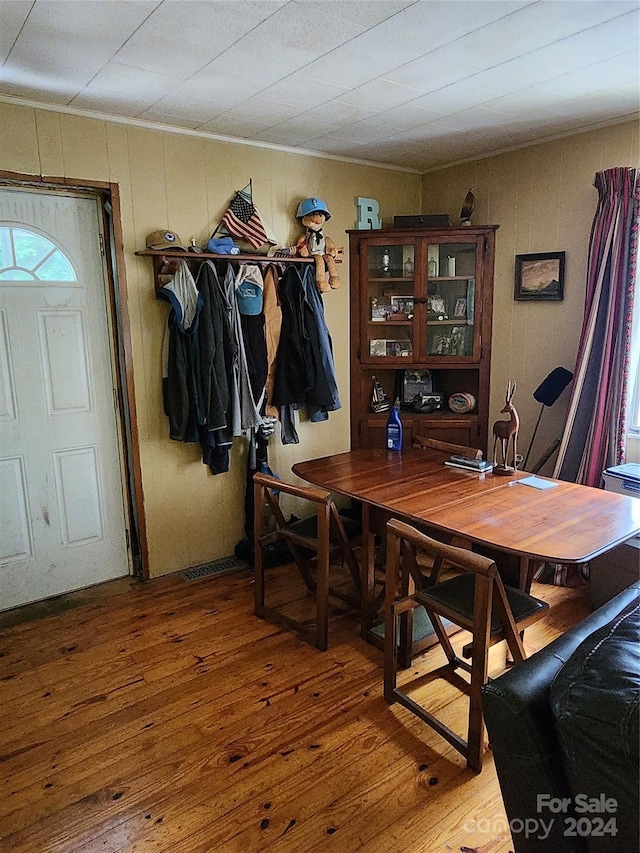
[[162, 261]]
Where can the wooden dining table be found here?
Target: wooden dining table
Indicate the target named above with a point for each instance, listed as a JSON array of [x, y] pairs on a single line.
[[565, 523]]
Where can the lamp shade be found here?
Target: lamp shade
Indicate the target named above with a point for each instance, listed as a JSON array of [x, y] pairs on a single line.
[[550, 388]]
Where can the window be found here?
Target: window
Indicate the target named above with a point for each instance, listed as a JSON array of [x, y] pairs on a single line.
[[28, 256]]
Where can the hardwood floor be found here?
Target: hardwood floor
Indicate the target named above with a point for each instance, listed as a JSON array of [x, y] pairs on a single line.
[[165, 717]]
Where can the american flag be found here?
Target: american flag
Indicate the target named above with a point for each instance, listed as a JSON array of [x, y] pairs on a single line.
[[243, 220]]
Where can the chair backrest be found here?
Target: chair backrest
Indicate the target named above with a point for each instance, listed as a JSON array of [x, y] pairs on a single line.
[[270, 486], [328, 532], [408, 542], [404, 542], [424, 443], [322, 535]]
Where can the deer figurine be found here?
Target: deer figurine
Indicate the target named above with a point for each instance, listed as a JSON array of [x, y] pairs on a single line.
[[506, 432]]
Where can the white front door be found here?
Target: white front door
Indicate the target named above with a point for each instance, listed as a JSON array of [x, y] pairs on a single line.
[[62, 518]]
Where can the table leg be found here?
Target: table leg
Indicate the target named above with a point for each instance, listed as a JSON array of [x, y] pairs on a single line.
[[524, 574], [528, 567]]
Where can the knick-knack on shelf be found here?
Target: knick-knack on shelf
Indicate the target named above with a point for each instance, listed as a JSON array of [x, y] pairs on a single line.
[[379, 400]]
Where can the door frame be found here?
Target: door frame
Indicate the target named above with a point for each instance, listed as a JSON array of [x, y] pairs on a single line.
[[108, 196]]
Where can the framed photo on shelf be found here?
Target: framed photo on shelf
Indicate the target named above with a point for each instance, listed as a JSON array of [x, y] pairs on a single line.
[[539, 277], [415, 382], [460, 309], [396, 349], [380, 313], [439, 345], [378, 347], [458, 341], [437, 305], [402, 305], [453, 341]]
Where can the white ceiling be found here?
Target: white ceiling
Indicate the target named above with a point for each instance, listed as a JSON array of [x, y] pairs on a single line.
[[399, 82]]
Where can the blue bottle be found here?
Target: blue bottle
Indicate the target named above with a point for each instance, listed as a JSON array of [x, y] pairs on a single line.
[[394, 428]]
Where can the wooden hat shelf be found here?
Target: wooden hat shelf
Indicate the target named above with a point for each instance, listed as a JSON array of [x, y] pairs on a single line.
[[163, 267]]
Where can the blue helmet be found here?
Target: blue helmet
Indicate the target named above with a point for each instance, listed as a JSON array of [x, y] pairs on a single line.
[[312, 205]]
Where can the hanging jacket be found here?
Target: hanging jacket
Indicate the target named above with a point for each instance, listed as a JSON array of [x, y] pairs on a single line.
[[273, 323], [302, 376], [294, 367], [322, 339], [245, 410], [217, 354], [218, 351], [181, 380]]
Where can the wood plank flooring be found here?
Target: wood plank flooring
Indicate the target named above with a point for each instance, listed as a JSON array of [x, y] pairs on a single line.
[[165, 717]]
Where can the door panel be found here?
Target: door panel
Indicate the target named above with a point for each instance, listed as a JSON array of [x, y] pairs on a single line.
[[62, 520]]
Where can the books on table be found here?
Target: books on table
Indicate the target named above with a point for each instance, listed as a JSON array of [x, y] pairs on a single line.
[[480, 466]]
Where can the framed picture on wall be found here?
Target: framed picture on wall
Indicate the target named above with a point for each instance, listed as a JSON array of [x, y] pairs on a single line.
[[539, 277]]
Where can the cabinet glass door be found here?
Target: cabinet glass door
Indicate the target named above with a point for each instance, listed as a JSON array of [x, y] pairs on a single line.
[[451, 286], [389, 294]]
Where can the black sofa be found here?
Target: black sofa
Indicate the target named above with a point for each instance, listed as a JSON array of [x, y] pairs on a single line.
[[564, 729]]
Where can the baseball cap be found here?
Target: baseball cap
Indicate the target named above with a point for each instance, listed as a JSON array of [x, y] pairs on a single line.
[[249, 287], [222, 246], [164, 240]]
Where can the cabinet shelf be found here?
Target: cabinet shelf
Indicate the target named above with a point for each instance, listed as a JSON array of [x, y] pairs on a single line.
[[438, 417]]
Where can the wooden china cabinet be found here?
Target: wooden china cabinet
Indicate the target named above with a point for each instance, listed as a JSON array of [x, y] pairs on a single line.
[[421, 311]]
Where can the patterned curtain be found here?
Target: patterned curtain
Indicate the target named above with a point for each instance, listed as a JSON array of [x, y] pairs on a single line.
[[595, 431]]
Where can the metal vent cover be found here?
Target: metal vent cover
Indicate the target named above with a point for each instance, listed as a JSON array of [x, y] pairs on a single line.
[[217, 567]]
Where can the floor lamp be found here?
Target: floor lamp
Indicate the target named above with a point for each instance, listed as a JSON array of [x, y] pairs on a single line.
[[547, 393]]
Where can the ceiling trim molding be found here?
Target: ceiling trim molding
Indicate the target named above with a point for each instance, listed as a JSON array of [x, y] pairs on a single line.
[[186, 131], [532, 143], [306, 152]]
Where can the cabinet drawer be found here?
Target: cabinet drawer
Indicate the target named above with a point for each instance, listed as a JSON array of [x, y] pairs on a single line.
[[456, 430]]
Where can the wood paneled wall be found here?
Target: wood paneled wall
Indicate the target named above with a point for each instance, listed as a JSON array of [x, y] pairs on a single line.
[[185, 182], [542, 197], [544, 200]]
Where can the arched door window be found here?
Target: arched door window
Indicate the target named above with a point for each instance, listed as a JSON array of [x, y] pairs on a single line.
[[28, 256]]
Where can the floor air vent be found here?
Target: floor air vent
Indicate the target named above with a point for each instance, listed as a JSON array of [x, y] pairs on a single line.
[[218, 567]]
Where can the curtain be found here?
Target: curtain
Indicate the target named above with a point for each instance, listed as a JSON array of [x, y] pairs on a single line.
[[595, 430]]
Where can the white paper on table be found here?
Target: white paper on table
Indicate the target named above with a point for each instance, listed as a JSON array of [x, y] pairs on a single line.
[[537, 483]]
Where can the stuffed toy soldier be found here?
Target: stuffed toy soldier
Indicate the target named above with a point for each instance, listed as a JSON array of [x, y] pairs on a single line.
[[313, 213]]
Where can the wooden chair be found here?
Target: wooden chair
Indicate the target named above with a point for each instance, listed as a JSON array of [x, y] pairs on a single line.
[[420, 441], [313, 543], [377, 522], [475, 600]]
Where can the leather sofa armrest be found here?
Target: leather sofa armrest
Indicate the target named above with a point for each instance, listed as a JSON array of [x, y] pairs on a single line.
[[520, 723], [595, 703]]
